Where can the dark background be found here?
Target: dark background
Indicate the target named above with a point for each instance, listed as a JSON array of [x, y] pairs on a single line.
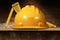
[[51, 9]]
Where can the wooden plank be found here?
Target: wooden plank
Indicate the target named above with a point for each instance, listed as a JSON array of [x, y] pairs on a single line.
[[30, 29]]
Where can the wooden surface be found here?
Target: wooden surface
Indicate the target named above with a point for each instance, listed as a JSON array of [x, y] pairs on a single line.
[[30, 29]]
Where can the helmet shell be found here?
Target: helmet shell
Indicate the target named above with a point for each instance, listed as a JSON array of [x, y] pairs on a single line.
[[30, 16]]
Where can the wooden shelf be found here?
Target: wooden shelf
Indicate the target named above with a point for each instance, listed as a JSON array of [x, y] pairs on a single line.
[[30, 29]]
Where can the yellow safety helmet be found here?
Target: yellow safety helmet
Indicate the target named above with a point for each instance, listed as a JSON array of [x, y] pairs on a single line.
[[29, 17]]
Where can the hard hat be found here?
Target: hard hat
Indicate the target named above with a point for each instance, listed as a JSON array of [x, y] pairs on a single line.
[[29, 17]]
